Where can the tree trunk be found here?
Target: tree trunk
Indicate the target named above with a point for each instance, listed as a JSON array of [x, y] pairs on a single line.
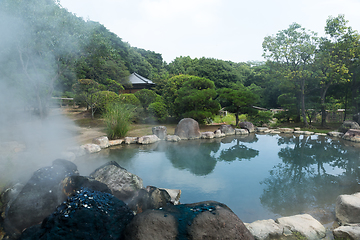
[[323, 110], [237, 117], [302, 96]]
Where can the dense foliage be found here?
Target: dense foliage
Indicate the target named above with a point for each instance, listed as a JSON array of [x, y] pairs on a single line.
[[48, 51]]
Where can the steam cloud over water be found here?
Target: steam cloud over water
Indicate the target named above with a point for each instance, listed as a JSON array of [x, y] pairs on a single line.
[[27, 139]]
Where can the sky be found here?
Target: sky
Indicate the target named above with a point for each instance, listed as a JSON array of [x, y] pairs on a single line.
[[223, 29]]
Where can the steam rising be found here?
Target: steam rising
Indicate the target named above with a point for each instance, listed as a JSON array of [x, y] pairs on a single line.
[[27, 141]]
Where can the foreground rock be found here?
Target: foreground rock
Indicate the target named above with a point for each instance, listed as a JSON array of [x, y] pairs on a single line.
[[303, 224], [351, 232], [122, 183], [347, 208], [172, 138], [352, 135], [149, 198], [188, 128], [87, 215], [39, 197], [335, 134], [248, 126], [204, 220], [295, 227]]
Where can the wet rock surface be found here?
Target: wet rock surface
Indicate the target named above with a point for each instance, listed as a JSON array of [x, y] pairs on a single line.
[[204, 220], [348, 125], [149, 198], [88, 214], [39, 197], [122, 183], [347, 208]]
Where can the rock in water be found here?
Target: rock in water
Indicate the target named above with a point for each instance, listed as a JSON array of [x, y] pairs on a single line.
[[39, 197], [247, 125], [204, 220], [122, 183], [227, 130], [188, 128], [87, 215]]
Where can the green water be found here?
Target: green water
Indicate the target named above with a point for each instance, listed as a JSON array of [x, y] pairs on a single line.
[[258, 176]]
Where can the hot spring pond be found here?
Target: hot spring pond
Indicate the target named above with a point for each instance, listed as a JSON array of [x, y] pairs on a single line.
[[257, 176]]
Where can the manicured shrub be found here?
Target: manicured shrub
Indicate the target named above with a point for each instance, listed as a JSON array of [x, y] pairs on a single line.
[[158, 110]]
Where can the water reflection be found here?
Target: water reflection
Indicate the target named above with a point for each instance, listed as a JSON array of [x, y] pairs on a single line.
[[194, 156], [238, 151], [313, 172]]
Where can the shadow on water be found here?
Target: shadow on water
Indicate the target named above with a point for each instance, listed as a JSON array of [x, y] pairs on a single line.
[[313, 172]]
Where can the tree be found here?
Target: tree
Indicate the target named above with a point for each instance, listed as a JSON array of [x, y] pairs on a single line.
[[293, 51], [335, 55], [196, 99], [146, 97], [238, 99], [87, 90]]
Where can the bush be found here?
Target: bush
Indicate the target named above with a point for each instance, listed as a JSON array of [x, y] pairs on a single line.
[[104, 98], [262, 117], [159, 111], [128, 98], [118, 118]]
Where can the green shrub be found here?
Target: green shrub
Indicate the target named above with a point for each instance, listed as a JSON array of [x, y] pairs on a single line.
[[118, 118], [262, 117], [104, 98], [128, 98], [159, 111]]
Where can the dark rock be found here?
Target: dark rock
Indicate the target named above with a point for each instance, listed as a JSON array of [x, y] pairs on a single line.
[[87, 215], [247, 125], [39, 197], [204, 220], [149, 198], [122, 183], [348, 125], [160, 132], [188, 128], [227, 129], [72, 184]]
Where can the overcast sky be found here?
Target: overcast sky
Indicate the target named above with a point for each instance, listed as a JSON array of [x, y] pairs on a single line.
[[223, 29]]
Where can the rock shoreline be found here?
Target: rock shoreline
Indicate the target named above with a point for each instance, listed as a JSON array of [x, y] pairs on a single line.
[[302, 226]]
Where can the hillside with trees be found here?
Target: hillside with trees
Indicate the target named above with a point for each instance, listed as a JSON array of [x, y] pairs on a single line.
[[50, 52]]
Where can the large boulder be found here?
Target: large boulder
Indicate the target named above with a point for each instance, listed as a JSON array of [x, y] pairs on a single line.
[[351, 232], [248, 126], [149, 198], [204, 220], [356, 118], [71, 185], [122, 183], [304, 225], [39, 197], [227, 130], [87, 215], [188, 128], [348, 125], [219, 134], [352, 135], [160, 132], [347, 208], [148, 139]]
